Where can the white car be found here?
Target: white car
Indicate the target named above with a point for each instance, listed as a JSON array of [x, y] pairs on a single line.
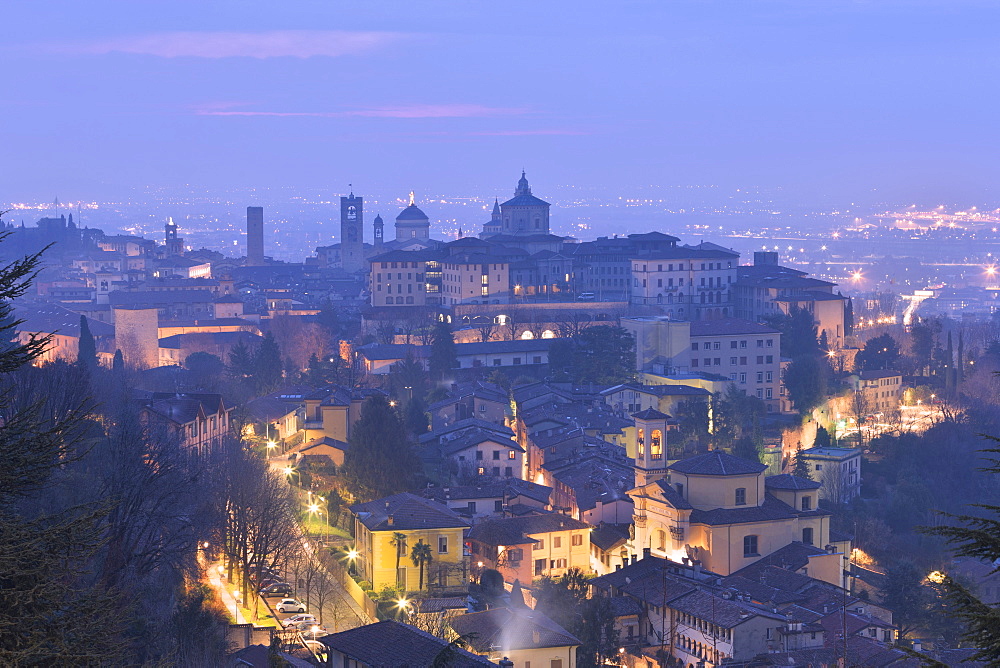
[[300, 622], [290, 605]]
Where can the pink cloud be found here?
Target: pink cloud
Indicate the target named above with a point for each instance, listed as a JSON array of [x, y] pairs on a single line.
[[269, 44], [395, 111], [529, 133]]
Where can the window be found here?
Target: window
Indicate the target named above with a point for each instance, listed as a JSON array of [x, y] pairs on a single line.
[[760, 359], [578, 539], [496, 362], [680, 488], [640, 441], [770, 343], [743, 344], [480, 471], [750, 546], [537, 359], [656, 444], [807, 536], [479, 455], [540, 545], [661, 538], [496, 454], [508, 472], [498, 506], [760, 376], [819, 467], [472, 507], [510, 453], [496, 471], [741, 496], [694, 346], [743, 378], [555, 663], [694, 363], [732, 361], [442, 544], [732, 344], [556, 542]]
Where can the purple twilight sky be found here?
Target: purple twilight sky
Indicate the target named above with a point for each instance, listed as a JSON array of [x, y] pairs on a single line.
[[819, 97]]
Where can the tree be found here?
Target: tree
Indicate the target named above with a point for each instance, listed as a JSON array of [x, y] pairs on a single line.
[[604, 354], [86, 355], [799, 334], [380, 460], [976, 536], [735, 414], [880, 352], [800, 467], [849, 317], [822, 439], [415, 416], [240, 361], [398, 541], [118, 363], [692, 419], [747, 448], [806, 379], [267, 366], [903, 593], [443, 357], [421, 557], [55, 611], [206, 368], [598, 634]]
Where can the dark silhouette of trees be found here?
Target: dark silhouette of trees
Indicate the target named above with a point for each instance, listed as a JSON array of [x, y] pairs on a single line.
[[206, 369], [380, 460], [603, 354], [806, 381], [880, 352], [799, 335], [421, 556], [86, 355], [822, 439], [443, 357], [799, 466], [267, 365]]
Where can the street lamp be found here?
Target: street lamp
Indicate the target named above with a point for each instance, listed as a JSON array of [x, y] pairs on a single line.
[[402, 605]]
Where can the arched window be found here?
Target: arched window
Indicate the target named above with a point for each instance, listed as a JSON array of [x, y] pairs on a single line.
[[352, 213], [528, 334], [661, 539], [659, 299], [656, 444], [399, 300], [548, 334], [640, 442]]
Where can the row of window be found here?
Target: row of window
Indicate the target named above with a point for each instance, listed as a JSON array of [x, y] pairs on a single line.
[[733, 361], [576, 540], [511, 454], [742, 343], [709, 266]]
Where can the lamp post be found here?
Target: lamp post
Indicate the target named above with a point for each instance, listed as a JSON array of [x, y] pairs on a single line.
[[401, 606]]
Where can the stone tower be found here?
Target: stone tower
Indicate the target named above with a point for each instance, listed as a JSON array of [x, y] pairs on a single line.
[[255, 236], [650, 446], [174, 244], [352, 249], [379, 232]]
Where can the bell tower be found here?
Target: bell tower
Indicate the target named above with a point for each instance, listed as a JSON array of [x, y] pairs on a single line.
[[352, 251], [650, 446], [379, 232]]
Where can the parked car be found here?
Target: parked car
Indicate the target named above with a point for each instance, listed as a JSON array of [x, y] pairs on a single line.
[[278, 589], [300, 622], [290, 605]]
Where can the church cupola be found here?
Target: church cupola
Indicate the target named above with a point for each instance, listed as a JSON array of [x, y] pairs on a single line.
[[650, 446], [522, 186]]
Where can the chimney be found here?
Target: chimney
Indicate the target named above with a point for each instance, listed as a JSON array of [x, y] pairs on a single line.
[[635, 558], [646, 551]]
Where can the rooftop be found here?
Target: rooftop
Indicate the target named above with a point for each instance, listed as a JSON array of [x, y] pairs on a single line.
[[391, 644], [406, 511], [717, 462]]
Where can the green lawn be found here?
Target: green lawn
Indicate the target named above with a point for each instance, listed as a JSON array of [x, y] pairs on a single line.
[[314, 526]]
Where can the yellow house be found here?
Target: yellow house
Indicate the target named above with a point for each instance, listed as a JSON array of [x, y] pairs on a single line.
[[531, 546], [522, 635], [719, 511], [392, 526]]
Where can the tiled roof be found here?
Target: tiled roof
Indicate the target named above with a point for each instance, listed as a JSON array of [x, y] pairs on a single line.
[[717, 462], [790, 482], [473, 438], [672, 496], [524, 200], [609, 536], [515, 530], [623, 606], [650, 414], [408, 511], [660, 390], [729, 327], [155, 297], [723, 612], [391, 644], [517, 628], [791, 557], [771, 509], [184, 408], [41, 317], [491, 490]]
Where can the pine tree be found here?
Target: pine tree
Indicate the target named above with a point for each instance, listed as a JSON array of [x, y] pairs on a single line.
[[118, 364], [86, 355], [822, 438], [977, 537], [800, 467], [849, 317]]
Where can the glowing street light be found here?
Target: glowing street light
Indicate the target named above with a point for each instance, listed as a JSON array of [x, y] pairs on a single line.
[[857, 276], [937, 577]]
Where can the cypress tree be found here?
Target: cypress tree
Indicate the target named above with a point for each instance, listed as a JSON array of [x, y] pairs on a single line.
[[380, 460], [86, 355], [118, 365], [267, 364], [800, 467], [443, 356]]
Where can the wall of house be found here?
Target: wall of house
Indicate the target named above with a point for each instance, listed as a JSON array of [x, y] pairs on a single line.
[[558, 552], [546, 657], [380, 555], [481, 456]]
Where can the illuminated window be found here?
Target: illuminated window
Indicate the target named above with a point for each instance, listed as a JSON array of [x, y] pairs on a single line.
[[640, 442], [656, 444]]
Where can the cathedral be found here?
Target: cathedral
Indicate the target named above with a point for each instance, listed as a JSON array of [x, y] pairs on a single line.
[[522, 215]]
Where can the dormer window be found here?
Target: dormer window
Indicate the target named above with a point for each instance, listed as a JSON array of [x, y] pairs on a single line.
[[806, 503]]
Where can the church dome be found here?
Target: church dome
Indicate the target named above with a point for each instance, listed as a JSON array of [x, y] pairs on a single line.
[[412, 212]]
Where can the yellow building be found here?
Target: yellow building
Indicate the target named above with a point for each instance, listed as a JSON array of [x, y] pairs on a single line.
[[531, 546], [720, 511], [384, 557]]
